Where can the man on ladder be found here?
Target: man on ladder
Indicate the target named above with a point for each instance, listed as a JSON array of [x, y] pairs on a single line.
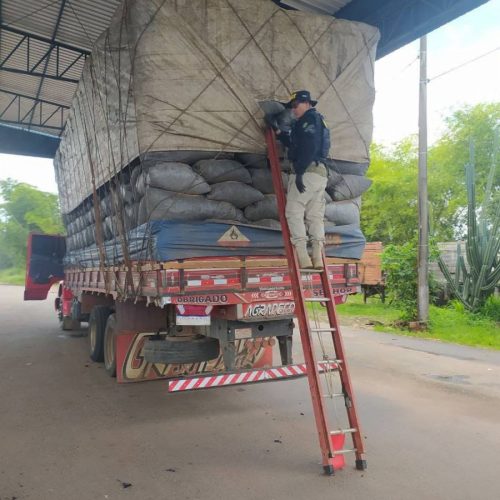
[[308, 144]]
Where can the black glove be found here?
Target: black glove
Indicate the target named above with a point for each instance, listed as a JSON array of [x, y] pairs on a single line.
[[271, 122], [300, 184]]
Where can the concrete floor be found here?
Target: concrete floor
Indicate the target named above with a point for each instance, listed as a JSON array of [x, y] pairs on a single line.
[[430, 414]]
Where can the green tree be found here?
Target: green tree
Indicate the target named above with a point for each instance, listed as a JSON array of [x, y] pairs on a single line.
[[447, 157], [24, 209], [389, 211]]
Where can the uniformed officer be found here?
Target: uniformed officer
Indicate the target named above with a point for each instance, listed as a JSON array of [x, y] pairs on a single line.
[[308, 143]]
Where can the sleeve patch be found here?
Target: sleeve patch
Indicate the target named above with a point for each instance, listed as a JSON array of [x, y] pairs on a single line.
[[309, 128]]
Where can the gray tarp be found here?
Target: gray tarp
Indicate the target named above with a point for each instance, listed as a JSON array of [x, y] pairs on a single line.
[[176, 76]]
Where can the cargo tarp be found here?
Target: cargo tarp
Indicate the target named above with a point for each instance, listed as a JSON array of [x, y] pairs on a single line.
[[175, 76], [171, 240]]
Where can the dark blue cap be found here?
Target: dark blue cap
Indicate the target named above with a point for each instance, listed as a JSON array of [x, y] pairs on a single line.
[[300, 96]]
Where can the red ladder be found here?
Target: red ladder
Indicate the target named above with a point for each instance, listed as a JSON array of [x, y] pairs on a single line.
[[324, 433]]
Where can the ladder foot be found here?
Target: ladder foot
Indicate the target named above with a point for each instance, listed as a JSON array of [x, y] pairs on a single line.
[[361, 464], [329, 470]]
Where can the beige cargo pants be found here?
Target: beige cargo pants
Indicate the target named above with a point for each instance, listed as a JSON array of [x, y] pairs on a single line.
[[305, 211]]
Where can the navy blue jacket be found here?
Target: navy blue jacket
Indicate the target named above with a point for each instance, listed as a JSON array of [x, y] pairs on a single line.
[[305, 141]]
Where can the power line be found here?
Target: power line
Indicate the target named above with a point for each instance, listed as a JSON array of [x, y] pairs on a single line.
[[464, 64], [409, 64]]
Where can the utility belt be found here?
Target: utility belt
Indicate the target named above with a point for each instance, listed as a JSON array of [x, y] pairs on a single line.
[[316, 167]]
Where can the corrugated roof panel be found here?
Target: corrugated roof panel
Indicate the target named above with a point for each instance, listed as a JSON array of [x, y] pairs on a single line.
[[85, 20], [81, 23], [23, 84], [19, 58], [61, 92], [31, 15]]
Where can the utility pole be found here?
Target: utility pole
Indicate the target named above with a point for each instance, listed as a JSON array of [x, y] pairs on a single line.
[[423, 212]]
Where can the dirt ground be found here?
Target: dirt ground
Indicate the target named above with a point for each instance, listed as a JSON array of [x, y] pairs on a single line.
[[430, 413]]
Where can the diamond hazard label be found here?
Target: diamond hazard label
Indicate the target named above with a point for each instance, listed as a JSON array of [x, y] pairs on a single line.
[[233, 237]]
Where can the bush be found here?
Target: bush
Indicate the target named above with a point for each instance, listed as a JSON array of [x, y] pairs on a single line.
[[400, 266], [491, 308], [399, 262]]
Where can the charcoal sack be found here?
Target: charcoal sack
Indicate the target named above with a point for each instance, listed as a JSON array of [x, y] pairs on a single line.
[[239, 194], [264, 209], [351, 186], [158, 204], [343, 212], [215, 171], [173, 176]]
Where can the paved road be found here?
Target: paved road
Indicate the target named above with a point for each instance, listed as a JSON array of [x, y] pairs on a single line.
[[431, 415]]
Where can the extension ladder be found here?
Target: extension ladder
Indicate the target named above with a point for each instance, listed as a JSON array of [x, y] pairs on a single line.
[[327, 438]]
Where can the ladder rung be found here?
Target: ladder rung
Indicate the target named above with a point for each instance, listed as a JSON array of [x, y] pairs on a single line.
[[343, 452], [311, 271], [334, 395], [342, 431], [317, 299], [334, 361], [323, 330]]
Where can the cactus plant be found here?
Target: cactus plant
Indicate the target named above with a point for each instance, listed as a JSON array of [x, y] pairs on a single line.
[[476, 279]]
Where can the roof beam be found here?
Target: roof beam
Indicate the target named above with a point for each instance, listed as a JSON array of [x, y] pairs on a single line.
[[46, 110], [49, 54], [34, 36], [52, 49]]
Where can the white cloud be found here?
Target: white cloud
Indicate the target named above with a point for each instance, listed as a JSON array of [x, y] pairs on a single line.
[[38, 172]]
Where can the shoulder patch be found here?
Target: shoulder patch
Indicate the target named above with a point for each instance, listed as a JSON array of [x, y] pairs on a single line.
[[309, 128]]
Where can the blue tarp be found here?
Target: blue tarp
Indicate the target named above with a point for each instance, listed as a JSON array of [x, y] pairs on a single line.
[[173, 240]]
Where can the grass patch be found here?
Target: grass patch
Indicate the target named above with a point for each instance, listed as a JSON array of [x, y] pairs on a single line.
[[12, 276], [449, 324], [459, 327], [372, 310]]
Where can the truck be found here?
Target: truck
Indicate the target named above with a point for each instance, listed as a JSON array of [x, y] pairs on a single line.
[[173, 255], [243, 305], [371, 276]]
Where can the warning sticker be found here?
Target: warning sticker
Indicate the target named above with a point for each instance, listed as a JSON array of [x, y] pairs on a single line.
[[233, 237]]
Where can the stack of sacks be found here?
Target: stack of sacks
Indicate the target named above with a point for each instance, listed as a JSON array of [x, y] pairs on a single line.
[[231, 188], [234, 189], [346, 184]]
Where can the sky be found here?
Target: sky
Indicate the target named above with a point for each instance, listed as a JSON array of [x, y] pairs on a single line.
[[396, 82]]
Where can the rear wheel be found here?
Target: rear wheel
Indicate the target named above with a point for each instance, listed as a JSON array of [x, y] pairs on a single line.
[[97, 326], [110, 345]]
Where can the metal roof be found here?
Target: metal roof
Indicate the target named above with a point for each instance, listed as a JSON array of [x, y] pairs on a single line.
[[44, 43]]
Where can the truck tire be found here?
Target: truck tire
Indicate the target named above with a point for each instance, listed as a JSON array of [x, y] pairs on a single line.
[[97, 326], [110, 345], [180, 350]]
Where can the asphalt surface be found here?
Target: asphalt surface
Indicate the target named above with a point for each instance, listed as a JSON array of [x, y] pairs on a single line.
[[430, 413]]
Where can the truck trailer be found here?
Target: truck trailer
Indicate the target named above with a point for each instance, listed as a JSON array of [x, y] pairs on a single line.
[[173, 251]]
